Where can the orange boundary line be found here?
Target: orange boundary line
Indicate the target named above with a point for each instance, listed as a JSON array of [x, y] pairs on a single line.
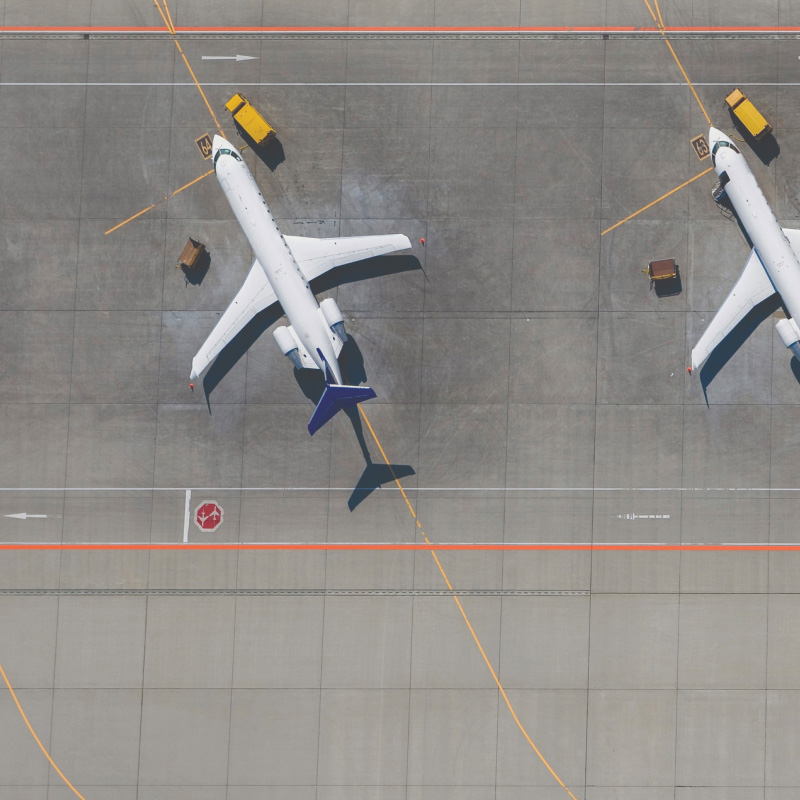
[[376, 546], [400, 28]]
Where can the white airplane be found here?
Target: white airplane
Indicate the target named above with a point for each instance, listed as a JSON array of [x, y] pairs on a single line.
[[772, 266], [281, 272]]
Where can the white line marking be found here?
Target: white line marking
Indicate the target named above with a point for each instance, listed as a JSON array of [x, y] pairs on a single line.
[[446, 544], [186, 512], [642, 516], [514, 489], [424, 83], [23, 515], [237, 57]]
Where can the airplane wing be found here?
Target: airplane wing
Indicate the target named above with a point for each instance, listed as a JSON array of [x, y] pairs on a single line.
[[317, 256], [752, 288], [254, 296]]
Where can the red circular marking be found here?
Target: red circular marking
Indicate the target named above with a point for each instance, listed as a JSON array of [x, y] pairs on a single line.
[[208, 516]]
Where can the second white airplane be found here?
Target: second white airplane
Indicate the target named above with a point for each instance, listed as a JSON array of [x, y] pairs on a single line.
[[772, 266], [281, 272]]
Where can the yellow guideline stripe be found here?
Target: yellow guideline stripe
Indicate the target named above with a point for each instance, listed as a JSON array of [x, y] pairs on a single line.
[[663, 197], [171, 28], [166, 197], [660, 23], [36, 738], [464, 614]]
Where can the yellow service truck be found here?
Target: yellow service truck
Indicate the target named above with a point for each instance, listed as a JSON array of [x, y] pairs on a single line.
[[249, 120], [747, 114]]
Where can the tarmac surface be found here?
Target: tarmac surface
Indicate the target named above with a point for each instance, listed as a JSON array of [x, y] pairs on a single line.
[[531, 389]]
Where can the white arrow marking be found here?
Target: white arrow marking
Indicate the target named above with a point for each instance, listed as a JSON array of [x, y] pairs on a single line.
[[23, 515], [237, 57], [642, 516]]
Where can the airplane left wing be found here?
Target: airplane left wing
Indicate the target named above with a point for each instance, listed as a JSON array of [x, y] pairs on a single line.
[[254, 296], [752, 288], [317, 256]]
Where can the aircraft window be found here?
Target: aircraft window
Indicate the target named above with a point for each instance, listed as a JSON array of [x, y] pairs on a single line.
[[226, 152], [722, 143]]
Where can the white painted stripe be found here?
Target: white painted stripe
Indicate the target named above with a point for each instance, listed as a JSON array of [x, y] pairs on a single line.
[[422, 545], [13, 489], [395, 83], [186, 515]]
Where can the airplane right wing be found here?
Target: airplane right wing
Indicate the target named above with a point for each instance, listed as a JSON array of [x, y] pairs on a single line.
[[316, 256], [254, 296], [752, 288]]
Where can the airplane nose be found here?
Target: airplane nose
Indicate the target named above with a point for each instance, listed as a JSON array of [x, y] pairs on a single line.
[[218, 142]]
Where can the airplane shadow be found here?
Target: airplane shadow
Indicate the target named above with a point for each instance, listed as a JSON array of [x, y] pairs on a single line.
[[795, 365], [270, 153], [735, 339]]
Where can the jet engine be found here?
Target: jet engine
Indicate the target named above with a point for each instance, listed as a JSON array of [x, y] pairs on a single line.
[[790, 335], [288, 345], [334, 318]]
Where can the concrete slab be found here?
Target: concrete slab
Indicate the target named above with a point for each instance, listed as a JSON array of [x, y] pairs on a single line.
[[783, 622], [28, 626], [21, 760]]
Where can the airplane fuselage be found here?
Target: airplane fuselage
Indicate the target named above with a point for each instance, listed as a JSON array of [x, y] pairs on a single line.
[[769, 241], [276, 259]]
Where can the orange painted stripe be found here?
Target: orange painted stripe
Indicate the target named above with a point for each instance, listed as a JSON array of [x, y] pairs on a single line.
[[403, 28], [402, 546]]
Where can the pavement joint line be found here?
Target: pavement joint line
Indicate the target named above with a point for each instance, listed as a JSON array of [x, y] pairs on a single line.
[[464, 613], [380, 84]]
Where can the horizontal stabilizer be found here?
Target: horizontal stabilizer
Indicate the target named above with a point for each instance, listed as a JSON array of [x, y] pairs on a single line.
[[334, 399]]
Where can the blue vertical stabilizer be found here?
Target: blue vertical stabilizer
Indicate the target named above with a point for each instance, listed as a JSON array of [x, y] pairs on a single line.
[[335, 398]]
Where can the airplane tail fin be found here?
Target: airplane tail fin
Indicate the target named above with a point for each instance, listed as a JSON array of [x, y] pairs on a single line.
[[334, 399]]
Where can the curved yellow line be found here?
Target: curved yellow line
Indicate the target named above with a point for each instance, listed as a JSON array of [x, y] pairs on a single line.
[[35, 737]]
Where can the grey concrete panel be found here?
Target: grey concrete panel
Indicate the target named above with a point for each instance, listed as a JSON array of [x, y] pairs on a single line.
[[182, 335], [34, 274], [31, 570], [375, 60], [631, 738], [278, 792], [458, 665], [550, 445], [629, 793], [112, 445], [783, 572], [554, 360], [458, 517], [719, 793], [785, 385], [582, 12], [647, 106], [642, 61], [782, 768], [727, 573], [281, 570], [185, 737], [96, 732], [24, 792], [400, 106], [46, 528], [634, 642], [193, 447], [28, 630], [323, 60], [274, 735], [100, 643], [640, 357], [104, 569], [554, 271], [462, 447], [122, 270], [723, 642], [189, 642], [135, 106], [566, 184], [784, 625], [279, 517], [457, 367], [32, 60], [729, 446], [440, 752], [36, 357], [636, 572], [556, 722], [384, 173], [575, 60], [367, 643], [473, 571], [620, 460], [390, 292], [558, 108], [381, 518], [21, 761], [547, 517], [757, 58], [652, 517], [62, 106], [307, 185], [467, 263], [366, 13], [627, 251], [472, 175], [476, 61], [40, 432], [302, 106], [720, 519], [784, 441], [278, 642], [453, 792], [453, 12], [363, 737], [347, 570], [474, 107], [544, 643], [782, 515], [105, 340], [170, 569], [720, 739], [362, 792]]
